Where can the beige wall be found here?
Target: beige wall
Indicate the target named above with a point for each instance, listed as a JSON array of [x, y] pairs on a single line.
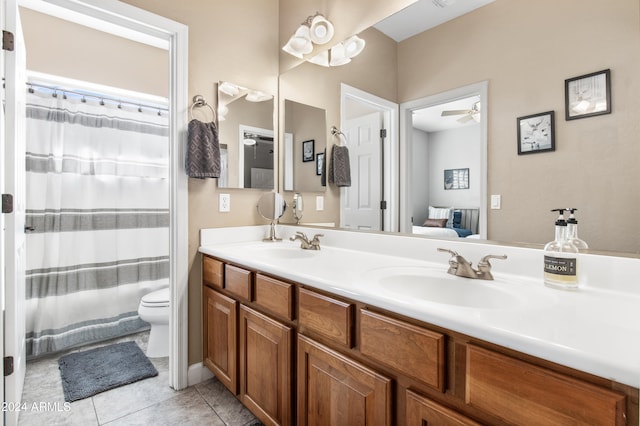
[[526, 53], [75, 51]]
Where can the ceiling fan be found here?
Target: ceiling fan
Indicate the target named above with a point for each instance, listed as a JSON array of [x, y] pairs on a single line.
[[468, 114]]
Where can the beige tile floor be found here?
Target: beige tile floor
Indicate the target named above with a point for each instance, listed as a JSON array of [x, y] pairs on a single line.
[[147, 402]]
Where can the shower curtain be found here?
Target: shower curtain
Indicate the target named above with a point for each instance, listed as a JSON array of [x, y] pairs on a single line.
[[97, 218]]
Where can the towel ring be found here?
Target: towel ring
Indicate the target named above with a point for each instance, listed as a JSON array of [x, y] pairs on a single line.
[[337, 132], [199, 101]]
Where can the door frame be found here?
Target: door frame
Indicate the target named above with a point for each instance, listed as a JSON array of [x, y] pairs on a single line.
[[406, 125], [389, 112], [140, 25]]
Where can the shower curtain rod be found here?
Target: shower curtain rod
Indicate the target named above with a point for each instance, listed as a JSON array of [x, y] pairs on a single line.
[[57, 89]]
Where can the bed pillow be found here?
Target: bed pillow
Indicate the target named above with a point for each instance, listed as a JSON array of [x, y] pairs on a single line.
[[435, 223], [442, 213]]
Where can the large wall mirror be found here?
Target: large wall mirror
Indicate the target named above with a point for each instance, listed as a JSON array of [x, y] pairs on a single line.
[[245, 118], [593, 167]]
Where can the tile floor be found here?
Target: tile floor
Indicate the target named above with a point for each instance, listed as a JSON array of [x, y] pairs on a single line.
[[147, 402]]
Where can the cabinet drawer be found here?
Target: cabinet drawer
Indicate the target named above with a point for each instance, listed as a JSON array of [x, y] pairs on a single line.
[[212, 272], [274, 295], [521, 393], [238, 281], [329, 317], [411, 350], [422, 411]]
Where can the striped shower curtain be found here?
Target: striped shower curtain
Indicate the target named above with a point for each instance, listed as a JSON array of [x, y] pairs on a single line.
[[97, 219]]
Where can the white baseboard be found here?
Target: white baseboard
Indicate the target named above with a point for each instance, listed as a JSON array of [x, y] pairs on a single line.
[[198, 373]]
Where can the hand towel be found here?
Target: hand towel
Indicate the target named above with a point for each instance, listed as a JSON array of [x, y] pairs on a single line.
[[203, 150], [339, 167]]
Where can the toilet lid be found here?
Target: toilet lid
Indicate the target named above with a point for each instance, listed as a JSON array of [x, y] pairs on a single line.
[[158, 297]]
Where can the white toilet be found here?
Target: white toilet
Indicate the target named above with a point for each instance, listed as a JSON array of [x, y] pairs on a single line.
[[154, 309]]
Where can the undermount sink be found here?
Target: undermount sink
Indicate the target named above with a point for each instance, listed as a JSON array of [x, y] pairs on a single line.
[[436, 286]]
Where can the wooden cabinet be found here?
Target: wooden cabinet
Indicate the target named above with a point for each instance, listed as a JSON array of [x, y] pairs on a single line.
[[294, 355], [522, 393], [275, 296], [413, 351], [335, 390], [330, 317], [220, 315], [238, 281], [212, 272], [265, 367], [421, 411]]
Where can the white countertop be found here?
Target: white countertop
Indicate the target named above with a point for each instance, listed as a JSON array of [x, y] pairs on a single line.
[[595, 329]]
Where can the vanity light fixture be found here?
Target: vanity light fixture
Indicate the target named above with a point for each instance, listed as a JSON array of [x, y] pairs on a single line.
[[315, 29], [257, 96], [340, 54]]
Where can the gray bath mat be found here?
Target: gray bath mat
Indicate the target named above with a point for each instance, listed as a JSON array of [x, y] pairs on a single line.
[[87, 373]]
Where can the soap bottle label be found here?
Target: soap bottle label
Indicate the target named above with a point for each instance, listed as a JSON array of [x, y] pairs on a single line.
[[561, 269]]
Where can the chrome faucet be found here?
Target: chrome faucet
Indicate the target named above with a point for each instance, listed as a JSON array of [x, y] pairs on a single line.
[[305, 243], [461, 267]]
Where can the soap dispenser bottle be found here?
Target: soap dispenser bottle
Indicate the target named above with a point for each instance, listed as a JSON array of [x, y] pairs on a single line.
[[572, 231], [561, 258]]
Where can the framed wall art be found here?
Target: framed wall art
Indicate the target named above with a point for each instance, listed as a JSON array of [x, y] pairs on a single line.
[[588, 95], [308, 150], [536, 133], [319, 163], [456, 179]]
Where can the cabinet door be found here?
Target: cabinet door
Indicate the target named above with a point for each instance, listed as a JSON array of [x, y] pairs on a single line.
[[265, 367], [422, 411], [220, 316], [335, 390]]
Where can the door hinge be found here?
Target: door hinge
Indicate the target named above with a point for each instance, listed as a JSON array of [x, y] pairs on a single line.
[[8, 366], [7, 203], [383, 133], [7, 40], [383, 205]]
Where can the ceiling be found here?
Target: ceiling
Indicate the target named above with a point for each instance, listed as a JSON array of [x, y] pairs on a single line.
[[425, 14], [431, 120]]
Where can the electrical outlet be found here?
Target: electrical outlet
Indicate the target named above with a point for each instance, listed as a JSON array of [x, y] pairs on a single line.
[[319, 203], [224, 203]]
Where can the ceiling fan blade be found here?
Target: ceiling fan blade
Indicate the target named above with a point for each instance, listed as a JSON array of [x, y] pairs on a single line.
[[464, 119], [456, 112]]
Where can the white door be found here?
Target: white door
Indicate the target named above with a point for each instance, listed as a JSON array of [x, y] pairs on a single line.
[[360, 203], [14, 183]]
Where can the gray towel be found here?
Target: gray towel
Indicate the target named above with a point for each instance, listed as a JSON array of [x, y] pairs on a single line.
[[203, 150], [339, 167]]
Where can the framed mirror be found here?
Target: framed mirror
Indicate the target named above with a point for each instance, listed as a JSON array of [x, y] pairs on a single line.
[[246, 124], [304, 150]]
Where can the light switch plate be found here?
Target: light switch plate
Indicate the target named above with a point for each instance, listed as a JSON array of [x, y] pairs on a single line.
[[496, 201], [224, 203], [319, 203]]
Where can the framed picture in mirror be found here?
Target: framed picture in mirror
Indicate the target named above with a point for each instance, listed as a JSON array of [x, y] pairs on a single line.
[[319, 163], [536, 133], [308, 150], [588, 95], [456, 179]]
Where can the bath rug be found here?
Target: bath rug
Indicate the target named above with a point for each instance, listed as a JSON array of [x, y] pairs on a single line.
[[88, 373]]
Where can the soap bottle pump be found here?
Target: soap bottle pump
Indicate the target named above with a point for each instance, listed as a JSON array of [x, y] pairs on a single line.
[[561, 258], [572, 231]]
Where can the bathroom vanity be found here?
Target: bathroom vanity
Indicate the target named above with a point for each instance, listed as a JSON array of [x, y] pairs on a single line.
[[372, 330]]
